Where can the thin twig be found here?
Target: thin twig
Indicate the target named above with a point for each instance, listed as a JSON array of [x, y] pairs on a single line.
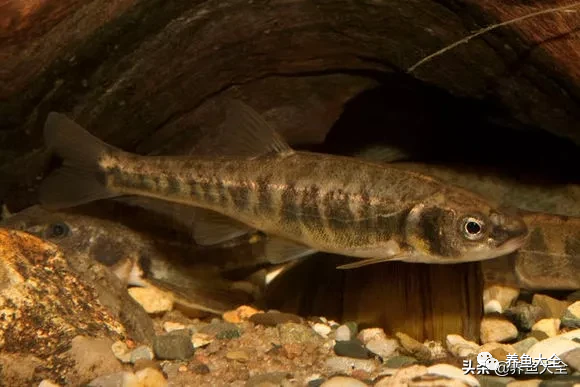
[[487, 29]]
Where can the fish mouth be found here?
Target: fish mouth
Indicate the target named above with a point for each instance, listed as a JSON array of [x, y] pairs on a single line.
[[512, 244], [503, 249]]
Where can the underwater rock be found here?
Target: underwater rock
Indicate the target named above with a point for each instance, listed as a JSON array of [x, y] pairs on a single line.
[[39, 293]]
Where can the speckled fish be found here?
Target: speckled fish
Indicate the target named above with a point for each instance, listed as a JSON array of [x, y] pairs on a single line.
[[550, 260], [305, 202], [137, 258]]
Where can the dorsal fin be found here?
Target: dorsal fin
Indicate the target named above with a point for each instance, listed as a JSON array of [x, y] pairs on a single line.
[[247, 134]]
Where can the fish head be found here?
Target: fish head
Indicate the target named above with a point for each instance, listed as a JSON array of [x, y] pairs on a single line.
[[101, 240], [463, 228]]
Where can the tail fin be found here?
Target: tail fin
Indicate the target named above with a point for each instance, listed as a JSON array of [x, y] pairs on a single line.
[[80, 179]]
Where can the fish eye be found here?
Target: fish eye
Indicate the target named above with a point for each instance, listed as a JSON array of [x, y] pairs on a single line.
[[58, 230], [472, 228]]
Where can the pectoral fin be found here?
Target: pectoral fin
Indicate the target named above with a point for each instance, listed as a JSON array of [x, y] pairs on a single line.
[[279, 250], [372, 261]]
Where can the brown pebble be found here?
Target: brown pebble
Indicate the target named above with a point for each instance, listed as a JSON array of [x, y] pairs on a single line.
[[552, 307], [274, 318], [232, 316], [413, 347], [199, 368], [182, 368], [499, 354], [360, 374], [241, 356], [242, 313], [539, 335]]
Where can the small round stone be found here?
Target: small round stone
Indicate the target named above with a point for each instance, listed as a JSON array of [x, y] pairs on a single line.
[[343, 333], [173, 347]]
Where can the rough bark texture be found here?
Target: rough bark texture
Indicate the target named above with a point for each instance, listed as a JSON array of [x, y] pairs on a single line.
[[152, 75], [146, 65]]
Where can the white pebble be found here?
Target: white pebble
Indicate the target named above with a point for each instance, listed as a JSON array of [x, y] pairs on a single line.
[[200, 340], [170, 326], [48, 383], [343, 333], [461, 347], [403, 376], [322, 329], [497, 298], [383, 347], [552, 346], [369, 334], [121, 351], [492, 306], [346, 365]]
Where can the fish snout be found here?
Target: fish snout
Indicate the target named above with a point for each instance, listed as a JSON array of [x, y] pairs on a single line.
[[508, 226]]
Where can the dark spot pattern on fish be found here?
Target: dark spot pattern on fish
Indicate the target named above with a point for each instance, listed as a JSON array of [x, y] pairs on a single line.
[[265, 200], [310, 215], [429, 226], [366, 218], [289, 209], [221, 192], [156, 179], [336, 210], [240, 196], [173, 186], [144, 181], [208, 196], [116, 174]]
